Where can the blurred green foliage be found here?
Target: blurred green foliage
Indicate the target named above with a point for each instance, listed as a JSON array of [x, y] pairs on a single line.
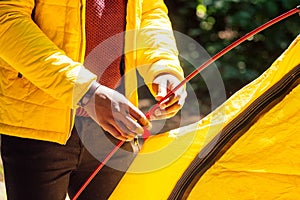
[[216, 23]]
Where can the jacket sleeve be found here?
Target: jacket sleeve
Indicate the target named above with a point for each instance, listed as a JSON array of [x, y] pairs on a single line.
[[29, 51], [156, 48]]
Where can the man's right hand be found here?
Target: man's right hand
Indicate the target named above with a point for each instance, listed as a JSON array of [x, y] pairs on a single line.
[[116, 114]]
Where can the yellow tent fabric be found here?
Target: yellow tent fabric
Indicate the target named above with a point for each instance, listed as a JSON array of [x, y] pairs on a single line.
[[263, 163]]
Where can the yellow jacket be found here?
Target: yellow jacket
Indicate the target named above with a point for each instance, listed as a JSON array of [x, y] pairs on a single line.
[[42, 48]]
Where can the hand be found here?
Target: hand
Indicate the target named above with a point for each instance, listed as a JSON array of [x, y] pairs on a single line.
[[115, 114], [161, 85]]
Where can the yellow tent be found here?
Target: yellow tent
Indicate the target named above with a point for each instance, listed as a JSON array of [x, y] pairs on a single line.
[[248, 148]]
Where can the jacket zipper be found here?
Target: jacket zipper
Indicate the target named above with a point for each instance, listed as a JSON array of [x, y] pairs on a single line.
[[232, 132], [80, 58], [83, 34]]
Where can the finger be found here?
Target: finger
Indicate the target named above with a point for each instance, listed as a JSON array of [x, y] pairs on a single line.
[[174, 108], [177, 98], [124, 131], [139, 116], [166, 113], [162, 115], [114, 132], [121, 128], [128, 125], [162, 89], [182, 100], [133, 127]]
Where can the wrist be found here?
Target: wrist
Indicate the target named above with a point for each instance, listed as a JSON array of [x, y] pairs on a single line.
[[89, 94]]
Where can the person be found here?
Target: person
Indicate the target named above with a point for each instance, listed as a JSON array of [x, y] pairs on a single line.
[[47, 74]]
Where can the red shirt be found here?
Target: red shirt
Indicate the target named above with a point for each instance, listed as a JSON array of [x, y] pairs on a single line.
[[105, 26]]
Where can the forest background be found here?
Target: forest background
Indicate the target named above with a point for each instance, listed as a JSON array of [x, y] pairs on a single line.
[[214, 24]]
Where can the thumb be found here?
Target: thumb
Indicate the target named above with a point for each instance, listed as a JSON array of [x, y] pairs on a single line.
[[161, 90]]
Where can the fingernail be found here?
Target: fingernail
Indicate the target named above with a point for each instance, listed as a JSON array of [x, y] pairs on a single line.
[[143, 121], [139, 131], [163, 106], [159, 97], [157, 112], [149, 126]]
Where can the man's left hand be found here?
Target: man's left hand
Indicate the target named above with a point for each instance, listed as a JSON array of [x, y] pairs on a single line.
[[161, 85]]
